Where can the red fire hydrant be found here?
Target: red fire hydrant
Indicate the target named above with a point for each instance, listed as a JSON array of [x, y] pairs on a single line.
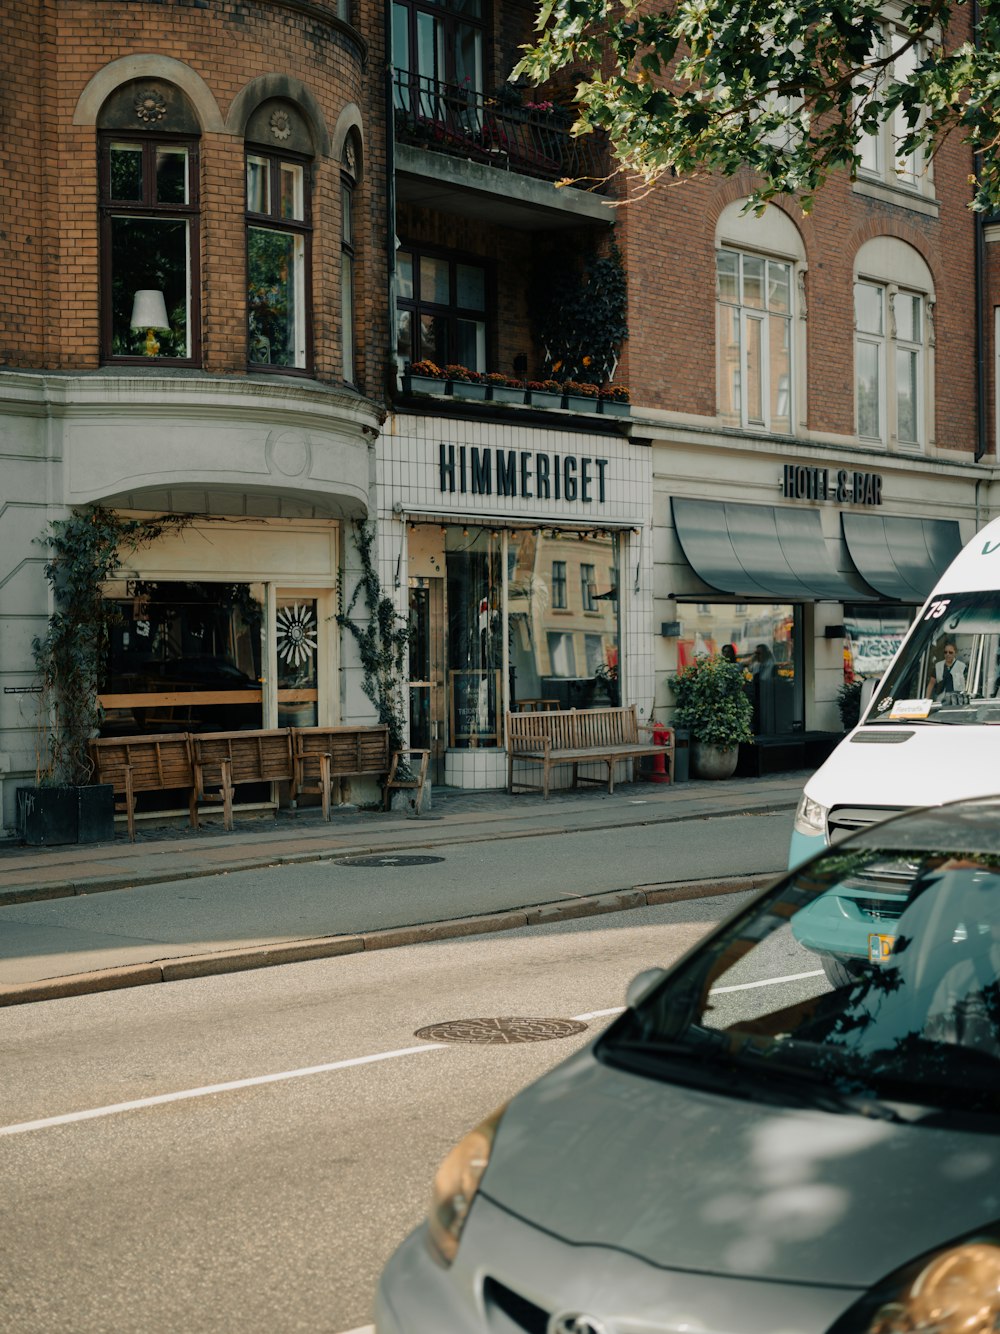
[[661, 737]]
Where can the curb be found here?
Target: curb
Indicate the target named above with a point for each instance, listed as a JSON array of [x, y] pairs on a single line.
[[326, 947], [72, 888]]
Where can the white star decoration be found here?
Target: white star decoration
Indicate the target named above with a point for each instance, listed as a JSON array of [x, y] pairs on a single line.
[[296, 634]]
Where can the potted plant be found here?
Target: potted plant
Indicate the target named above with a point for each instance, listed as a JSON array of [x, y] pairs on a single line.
[[849, 704], [423, 377], [613, 400], [712, 705], [579, 396], [504, 388], [463, 383], [544, 393]]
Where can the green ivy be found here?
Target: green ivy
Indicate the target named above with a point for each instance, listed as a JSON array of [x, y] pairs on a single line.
[[711, 702], [580, 313], [381, 643], [84, 551]]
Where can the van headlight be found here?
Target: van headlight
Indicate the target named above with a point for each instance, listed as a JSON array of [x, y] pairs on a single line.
[[455, 1187], [955, 1292], [810, 818]]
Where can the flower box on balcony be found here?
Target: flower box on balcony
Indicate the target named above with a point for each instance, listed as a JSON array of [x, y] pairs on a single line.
[[467, 389], [611, 407], [549, 396], [423, 384], [504, 390], [576, 401]]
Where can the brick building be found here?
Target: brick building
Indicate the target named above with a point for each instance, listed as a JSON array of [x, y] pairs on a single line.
[[237, 225]]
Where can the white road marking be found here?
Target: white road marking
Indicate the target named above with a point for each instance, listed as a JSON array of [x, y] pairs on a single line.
[[95, 1113], [767, 982]]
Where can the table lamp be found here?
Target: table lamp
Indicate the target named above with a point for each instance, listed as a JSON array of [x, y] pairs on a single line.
[[149, 312]]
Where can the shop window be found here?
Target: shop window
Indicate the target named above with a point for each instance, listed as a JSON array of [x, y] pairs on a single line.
[[278, 238], [893, 344], [766, 641], [149, 202], [754, 328], [559, 584], [563, 656], [348, 184], [474, 638], [441, 304]]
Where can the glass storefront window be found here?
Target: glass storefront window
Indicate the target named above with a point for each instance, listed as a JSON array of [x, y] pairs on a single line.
[[766, 640], [183, 657], [474, 637], [562, 602], [872, 636], [297, 635]]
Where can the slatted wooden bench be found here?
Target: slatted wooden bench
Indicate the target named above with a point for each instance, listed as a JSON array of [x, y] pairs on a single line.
[[145, 764], [223, 759], [577, 736], [322, 754]]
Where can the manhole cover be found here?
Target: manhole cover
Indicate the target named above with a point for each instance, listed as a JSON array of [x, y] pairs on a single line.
[[387, 859], [497, 1032]]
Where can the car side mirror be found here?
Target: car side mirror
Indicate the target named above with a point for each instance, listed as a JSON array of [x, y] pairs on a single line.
[[642, 984]]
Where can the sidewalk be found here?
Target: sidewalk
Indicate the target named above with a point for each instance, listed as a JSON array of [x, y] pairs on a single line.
[[41, 950]]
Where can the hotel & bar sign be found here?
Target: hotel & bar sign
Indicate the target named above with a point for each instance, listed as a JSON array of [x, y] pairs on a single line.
[[802, 482], [527, 473]]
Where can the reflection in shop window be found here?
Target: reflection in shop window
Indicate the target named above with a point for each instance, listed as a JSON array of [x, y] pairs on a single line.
[[474, 637], [766, 641], [564, 645]]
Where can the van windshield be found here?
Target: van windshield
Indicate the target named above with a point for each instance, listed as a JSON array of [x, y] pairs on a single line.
[[949, 669]]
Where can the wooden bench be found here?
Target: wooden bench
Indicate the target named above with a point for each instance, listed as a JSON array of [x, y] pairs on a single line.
[[321, 754], [223, 759], [577, 736], [134, 764]]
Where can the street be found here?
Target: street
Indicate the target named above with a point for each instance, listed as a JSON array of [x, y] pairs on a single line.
[[274, 1204]]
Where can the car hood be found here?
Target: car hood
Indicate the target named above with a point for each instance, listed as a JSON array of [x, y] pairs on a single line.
[[692, 1180], [908, 764]]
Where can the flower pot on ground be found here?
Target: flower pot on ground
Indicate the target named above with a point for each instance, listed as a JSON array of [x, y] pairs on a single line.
[[58, 813], [712, 705]]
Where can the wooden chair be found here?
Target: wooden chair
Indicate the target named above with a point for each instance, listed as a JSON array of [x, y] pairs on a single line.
[[395, 783], [156, 763]]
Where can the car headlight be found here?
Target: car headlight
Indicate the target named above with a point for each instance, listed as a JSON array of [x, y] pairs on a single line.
[[810, 818], [455, 1187], [956, 1292]]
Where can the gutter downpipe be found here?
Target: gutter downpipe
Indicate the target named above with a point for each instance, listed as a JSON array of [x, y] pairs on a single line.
[[980, 272], [390, 202]]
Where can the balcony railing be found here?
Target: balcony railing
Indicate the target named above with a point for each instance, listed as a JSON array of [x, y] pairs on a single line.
[[456, 120]]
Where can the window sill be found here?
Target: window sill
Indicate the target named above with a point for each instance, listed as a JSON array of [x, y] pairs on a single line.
[[896, 194]]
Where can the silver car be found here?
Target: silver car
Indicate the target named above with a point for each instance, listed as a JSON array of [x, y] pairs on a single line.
[[751, 1148]]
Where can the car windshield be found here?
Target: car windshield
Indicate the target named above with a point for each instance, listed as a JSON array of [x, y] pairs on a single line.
[[917, 1022], [949, 669]]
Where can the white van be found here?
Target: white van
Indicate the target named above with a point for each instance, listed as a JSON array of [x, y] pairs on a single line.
[[931, 730]]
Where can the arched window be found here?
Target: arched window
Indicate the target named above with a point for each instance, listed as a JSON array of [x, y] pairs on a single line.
[[279, 150], [893, 344], [349, 167], [148, 165], [758, 265]]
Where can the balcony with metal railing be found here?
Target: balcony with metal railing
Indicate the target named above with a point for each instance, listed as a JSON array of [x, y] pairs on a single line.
[[532, 139]]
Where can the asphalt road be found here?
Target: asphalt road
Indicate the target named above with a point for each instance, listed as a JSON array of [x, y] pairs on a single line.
[[272, 1205], [152, 922]]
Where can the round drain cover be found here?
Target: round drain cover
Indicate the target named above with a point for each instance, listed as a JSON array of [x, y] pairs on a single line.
[[388, 859], [497, 1032]]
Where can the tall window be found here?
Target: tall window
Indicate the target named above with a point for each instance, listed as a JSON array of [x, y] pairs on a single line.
[[754, 330], [587, 586], [348, 181], [436, 49], [559, 584], [881, 157], [278, 233], [889, 358], [149, 219], [441, 309]]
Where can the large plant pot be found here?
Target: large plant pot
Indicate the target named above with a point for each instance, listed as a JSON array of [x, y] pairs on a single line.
[[714, 761], [66, 814]]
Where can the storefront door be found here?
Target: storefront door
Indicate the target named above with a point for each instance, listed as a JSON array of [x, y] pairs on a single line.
[[427, 693]]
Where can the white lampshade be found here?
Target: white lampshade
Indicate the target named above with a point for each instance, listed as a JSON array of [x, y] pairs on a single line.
[[149, 310]]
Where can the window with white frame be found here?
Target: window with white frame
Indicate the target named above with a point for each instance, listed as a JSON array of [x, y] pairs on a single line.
[[879, 150], [754, 338], [889, 359]]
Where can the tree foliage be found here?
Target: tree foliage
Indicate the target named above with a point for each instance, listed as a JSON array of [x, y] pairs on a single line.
[[788, 89]]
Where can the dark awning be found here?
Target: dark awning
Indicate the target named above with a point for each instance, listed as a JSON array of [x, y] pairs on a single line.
[[902, 558], [761, 551]]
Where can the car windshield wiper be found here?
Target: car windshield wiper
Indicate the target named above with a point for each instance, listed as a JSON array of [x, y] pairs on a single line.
[[710, 1064]]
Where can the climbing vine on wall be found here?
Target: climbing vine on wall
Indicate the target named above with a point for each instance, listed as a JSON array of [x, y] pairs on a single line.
[[85, 549], [381, 641]]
